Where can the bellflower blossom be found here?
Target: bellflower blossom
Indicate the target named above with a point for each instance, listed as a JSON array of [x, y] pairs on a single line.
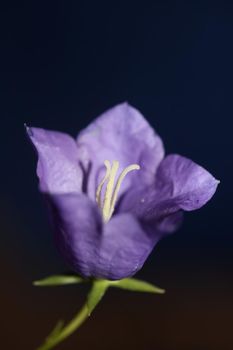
[[112, 194]]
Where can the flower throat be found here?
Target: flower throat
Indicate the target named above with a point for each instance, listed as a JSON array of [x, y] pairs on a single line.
[[107, 205]]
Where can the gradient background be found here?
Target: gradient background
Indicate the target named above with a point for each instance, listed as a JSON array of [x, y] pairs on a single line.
[[61, 65]]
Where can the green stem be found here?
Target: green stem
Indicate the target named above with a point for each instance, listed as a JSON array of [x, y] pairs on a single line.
[[99, 288], [75, 323]]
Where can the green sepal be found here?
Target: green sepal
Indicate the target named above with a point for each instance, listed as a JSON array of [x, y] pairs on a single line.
[[99, 288], [136, 285], [58, 280]]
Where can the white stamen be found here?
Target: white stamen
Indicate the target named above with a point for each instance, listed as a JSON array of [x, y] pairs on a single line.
[[111, 193], [119, 182], [99, 188]]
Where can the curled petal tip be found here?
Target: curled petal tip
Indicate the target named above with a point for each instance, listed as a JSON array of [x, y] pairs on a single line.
[[28, 130]]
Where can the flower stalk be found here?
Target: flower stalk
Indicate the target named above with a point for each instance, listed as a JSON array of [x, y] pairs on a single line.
[[58, 335], [96, 293]]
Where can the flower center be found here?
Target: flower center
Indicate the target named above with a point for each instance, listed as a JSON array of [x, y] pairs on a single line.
[[107, 206]]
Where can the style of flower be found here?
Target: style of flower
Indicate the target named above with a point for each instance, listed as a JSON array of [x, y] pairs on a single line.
[[111, 193]]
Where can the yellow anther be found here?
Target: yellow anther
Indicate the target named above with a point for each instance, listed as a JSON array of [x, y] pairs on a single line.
[[111, 193]]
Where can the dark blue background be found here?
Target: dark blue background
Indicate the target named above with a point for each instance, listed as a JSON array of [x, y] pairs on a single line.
[[61, 65]]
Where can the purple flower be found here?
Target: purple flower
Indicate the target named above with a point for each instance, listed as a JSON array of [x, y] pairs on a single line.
[[111, 193]]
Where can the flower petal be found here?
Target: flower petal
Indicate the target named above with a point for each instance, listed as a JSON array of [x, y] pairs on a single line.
[[77, 226], [180, 184], [121, 134], [187, 183], [125, 246], [167, 224], [115, 250], [58, 163]]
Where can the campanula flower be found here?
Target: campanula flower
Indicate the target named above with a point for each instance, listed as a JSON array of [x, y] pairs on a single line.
[[112, 194]]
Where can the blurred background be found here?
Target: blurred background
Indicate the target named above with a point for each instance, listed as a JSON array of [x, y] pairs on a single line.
[[62, 64]]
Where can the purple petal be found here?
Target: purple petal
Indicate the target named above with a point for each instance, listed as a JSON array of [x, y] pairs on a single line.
[[77, 225], [121, 134], [58, 164], [179, 184], [187, 183], [125, 246], [113, 251], [167, 224]]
